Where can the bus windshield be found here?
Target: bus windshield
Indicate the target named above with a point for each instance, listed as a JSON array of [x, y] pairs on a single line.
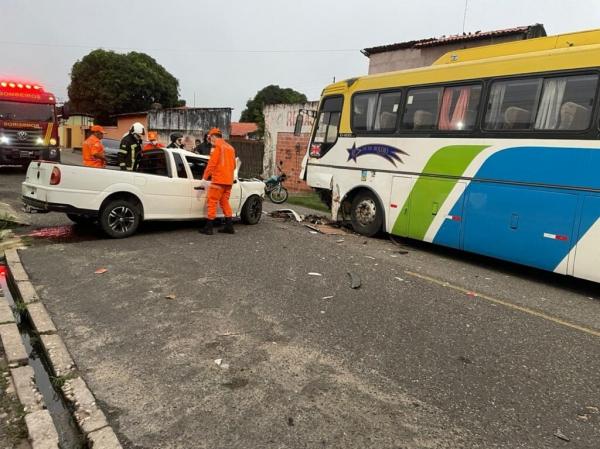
[[10, 110]]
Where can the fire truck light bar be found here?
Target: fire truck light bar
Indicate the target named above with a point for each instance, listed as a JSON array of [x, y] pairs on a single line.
[[20, 85]]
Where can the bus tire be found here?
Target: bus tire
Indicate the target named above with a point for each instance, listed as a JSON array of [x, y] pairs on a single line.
[[120, 218], [366, 214]]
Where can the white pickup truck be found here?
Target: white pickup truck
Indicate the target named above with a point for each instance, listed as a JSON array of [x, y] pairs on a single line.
[[165, 184]]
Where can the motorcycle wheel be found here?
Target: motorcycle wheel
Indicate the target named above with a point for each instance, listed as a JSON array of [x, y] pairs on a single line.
[[278, 195]]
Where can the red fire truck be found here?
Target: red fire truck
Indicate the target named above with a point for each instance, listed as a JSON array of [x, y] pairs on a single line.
[[28, 124]]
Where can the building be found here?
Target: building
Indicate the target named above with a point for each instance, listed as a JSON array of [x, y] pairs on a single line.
[[73, 131], [420, 53], [244, 130], [191, 122], [281, 145]]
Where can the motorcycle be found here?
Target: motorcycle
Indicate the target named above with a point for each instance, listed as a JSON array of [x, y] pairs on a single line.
[[274, 188]]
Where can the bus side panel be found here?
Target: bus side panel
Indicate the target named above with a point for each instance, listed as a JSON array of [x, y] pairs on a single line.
[[520, 224], [587, 253], [398, 215]]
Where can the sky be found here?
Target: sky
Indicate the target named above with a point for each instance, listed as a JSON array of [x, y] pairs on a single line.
[[223, 52]]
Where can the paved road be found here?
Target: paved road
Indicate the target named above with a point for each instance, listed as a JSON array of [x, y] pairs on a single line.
[[436, 349]]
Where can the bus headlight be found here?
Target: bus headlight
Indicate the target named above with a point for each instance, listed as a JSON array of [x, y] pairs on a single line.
[[53, 141], [39, 141], [4, 139]]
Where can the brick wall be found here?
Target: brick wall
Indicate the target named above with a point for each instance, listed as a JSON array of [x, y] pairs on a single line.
[[291, 150]]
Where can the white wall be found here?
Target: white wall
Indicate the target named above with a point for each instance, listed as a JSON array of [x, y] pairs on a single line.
[[282, 118]]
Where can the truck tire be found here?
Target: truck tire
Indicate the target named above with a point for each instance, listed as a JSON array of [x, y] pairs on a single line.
[[119, 218], [366, 214], [252, 210]]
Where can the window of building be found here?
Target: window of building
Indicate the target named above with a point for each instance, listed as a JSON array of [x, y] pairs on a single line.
[[512, 104], [567, 103], [422, 108], [458, 111]]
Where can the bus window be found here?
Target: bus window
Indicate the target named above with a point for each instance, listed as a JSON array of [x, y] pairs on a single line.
[[363, 111], [422, 108], [566, 103], [387, 111], [459, 108], [512, 104], [328, 126]]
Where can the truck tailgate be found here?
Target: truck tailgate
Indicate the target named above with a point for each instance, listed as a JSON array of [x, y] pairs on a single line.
[[37, 180]]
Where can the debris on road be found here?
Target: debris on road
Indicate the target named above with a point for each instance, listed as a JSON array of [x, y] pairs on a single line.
[[287, 213], [354, 280], [218, 362], [340, 241], [314, 274], [400, 279], [327, 297], [290, 421], [558, 434], [170, 296], [101, 271]]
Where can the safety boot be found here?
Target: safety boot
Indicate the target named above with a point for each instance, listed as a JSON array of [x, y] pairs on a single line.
[[228, 228], [207, 229]]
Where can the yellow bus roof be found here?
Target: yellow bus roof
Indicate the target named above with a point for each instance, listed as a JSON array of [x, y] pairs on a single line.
[[561, 52]]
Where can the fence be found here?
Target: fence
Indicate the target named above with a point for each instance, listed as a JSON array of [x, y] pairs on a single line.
[[251, 153]]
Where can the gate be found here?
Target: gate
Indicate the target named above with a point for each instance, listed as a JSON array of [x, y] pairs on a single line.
[[251, 153]]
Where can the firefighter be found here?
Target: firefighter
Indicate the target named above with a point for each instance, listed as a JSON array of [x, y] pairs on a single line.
[[93, 150], [153, 142], [131, 145], [176, 141], [220, 172]]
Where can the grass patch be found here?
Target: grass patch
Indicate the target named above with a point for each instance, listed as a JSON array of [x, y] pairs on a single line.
[[59, 381], [310, 200]]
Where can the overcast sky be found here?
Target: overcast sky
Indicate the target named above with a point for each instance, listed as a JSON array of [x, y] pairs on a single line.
[[223, 52]]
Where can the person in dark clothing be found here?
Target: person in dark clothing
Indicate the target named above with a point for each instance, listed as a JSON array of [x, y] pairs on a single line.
[[205, 147], [130, 146], [176, 141]]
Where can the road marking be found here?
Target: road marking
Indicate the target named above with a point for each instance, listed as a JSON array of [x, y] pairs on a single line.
[[510, 305]]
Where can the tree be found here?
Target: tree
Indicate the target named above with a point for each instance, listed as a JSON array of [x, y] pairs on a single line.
[[105, 83], [269, 95]]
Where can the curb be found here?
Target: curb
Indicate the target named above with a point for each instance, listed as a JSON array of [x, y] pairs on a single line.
[[88, 416]]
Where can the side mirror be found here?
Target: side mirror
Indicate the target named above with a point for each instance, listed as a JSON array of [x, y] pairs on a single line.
[[299, 122]]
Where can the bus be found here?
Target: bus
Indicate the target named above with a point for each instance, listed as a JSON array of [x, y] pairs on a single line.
[[28, 124], [492, 150]]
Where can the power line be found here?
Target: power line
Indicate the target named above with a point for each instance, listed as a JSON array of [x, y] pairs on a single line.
[[179, 50]]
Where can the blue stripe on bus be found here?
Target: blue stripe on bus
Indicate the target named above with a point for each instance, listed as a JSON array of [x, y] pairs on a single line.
[[517, 223]]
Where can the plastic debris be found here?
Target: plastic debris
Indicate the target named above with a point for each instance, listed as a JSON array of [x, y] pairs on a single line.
[[400, 279], [218, 361], [101, 271], [558, 434], [170, 297], [354, 280], [327, 297], [285, 213], [314, 274]]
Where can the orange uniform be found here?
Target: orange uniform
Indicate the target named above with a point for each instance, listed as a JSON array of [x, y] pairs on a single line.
[[151, 146], [220, 171], [92, 147]]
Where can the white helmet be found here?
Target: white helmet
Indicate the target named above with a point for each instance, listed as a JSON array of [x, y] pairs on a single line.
[[137, 128]]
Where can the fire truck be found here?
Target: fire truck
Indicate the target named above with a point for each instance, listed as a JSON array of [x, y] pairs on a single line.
[[28, 124]]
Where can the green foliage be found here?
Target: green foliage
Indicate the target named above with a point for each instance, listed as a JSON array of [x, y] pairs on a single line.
[[269, 95], [106, 83]]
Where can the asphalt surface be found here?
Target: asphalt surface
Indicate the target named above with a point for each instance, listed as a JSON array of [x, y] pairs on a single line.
[[436, 349]]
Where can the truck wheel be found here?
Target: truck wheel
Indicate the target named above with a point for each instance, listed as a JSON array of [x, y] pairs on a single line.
[[252, 210], [119, 218], [366, 214], [83, 220]]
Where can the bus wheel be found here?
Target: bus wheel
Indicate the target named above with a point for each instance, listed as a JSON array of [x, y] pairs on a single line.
[[366, 214]]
